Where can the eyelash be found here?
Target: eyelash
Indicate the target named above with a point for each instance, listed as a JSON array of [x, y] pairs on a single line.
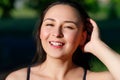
[[49, 25], [69, 27]]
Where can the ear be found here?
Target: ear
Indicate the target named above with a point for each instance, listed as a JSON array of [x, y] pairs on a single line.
[[83, 38]]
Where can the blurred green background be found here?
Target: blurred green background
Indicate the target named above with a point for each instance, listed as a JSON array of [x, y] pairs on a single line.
[[18, 19]]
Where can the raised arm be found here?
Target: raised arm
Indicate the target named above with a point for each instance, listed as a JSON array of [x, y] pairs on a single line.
[[108, 56]]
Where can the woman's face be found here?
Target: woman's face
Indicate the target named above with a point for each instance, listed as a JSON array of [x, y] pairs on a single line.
[[61, 31]]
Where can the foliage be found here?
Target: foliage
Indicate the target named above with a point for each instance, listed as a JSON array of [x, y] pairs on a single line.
[[6, 6], [92, 6]]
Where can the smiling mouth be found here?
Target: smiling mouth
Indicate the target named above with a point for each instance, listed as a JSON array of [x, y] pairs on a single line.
[[56, 43]]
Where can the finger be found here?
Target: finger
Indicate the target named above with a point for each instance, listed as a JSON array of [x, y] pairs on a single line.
[[94, 24], [95, 28]]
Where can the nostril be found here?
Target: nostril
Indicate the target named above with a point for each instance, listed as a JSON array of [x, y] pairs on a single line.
[[59, 35], [58, 32]]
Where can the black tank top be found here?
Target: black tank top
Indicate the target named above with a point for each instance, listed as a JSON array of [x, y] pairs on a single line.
[[28, 73]]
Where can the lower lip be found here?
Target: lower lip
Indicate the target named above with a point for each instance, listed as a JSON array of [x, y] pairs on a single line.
[[56, 46]]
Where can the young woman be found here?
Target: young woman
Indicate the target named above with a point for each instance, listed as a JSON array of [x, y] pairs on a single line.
[[65, 35]]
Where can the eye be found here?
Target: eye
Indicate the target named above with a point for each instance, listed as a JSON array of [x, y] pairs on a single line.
[[49, 25], [69, 27]]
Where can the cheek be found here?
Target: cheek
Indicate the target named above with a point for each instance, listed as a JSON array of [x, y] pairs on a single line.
[[73, 37], [44, 33]]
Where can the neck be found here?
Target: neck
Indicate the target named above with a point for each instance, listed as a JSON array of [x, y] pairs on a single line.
[[53, 67]]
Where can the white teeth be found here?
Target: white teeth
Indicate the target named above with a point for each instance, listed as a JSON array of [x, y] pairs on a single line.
[[56, 43]]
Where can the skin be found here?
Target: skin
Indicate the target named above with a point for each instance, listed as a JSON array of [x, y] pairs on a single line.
[[64, 29], [67, 29]]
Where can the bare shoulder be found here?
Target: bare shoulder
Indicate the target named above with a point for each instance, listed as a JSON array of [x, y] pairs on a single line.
[[105, 75], [17, 75]]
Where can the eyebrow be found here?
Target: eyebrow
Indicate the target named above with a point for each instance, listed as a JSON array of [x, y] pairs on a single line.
[[71, 22], [49, 19], [67, 21]]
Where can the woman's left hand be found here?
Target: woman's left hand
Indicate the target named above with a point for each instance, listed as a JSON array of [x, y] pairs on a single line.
[[94, 39]]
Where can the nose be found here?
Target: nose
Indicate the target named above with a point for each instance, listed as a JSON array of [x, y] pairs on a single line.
[[57, 33]]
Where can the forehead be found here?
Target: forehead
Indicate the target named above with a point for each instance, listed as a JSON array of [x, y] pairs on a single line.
[[62, 11]]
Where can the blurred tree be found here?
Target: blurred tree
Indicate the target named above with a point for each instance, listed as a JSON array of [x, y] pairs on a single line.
[[112, 10], [38, 4], [6, 6], [90, 5]]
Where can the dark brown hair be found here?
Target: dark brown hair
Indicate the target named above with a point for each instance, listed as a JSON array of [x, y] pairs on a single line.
[[79, 58]]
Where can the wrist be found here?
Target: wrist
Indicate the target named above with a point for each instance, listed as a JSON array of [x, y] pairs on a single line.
[[96, 46]]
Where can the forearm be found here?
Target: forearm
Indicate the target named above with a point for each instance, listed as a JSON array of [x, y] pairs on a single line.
[[109, 57]]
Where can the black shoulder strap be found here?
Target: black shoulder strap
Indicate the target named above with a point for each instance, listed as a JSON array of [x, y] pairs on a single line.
[[28, 73], [85, 73]]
